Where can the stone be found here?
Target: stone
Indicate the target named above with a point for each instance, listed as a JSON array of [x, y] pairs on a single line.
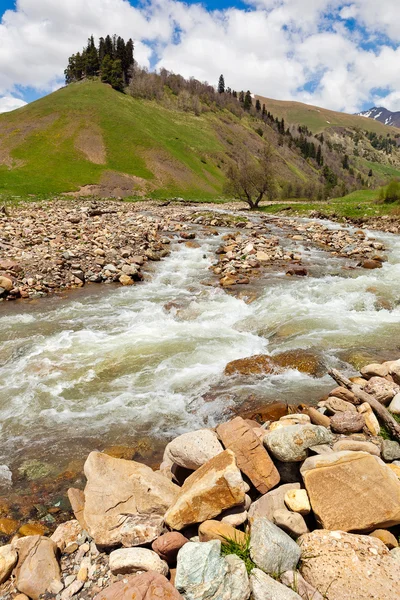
[[263, 587], [390, 450], [395, 553], [203, 574], [65, 533], [271, 502], [168, 545], [251, 456], [395, 468], [344, 566], [344, 394], [291, 443], [291, 522], [6, 283], [297, 583], [352, 491], [298, 501], [5, 476], [215, 530], [304, 361], [382, 389], [8, 560], [374, 370], [237, 515], [386, 537], [335, 405], [122, 498], [125, 279], [394, 406], [371, 421], [147, 586], [356, 446], [8, 526], [193, 449], [394, 371], [210, 490], [29, 529], [371, 264], [272, 549], [77, 500], [130, 560], [316, 417], [347, 422], [72, 589], [253, 365], [289, 471], [37, 566]]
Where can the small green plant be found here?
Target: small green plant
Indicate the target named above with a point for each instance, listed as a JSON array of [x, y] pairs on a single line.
[[240, 549]]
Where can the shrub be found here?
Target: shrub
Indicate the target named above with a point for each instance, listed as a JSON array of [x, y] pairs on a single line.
[[392, 192]]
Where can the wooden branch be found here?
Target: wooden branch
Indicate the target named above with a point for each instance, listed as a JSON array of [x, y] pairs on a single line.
[[382, 413]]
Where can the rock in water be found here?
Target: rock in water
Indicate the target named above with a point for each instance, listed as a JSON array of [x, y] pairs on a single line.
[[263, 587], [191, 450], [252, 458], [203, 574], [211, 489], [343, 566], [272, 549], [123, 499], [352, 491], [291, 443], [147, 586], [37, 566]]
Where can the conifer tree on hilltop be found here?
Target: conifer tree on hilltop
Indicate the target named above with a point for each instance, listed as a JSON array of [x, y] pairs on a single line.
[[221, 85], [112, 61]]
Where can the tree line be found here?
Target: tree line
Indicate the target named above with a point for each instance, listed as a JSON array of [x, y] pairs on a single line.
[[112, 60]]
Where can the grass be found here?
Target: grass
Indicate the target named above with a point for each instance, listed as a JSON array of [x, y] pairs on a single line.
[[384, 432], [242, 550]]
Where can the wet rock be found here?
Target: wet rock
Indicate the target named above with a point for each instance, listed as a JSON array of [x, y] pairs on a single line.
[[215, 530], [386, 537], [147, 586], [371, 264], [291, 443], [35, 469], [168, 545], [291, 522], [125, 279], [347, 422], [130, 560], [295, 581], [193, 449], [253, 365], [384, 391], [30, 529], [37, 566], [264, 587], [302, 360], [5, 476], [6, 283], [251, 457], [272, 549], [268, 504], [8, 560], [210, 490], [8, 526], [297, 271], [344, 566], [390, 450], [298, 501]]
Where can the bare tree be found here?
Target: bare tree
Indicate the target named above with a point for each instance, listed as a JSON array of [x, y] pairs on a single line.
[[251, 178]]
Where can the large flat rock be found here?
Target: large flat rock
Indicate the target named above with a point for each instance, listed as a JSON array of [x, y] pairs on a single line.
[[37, 566]]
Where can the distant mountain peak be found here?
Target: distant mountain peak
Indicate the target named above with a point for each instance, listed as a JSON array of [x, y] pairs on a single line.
[[383, 115]]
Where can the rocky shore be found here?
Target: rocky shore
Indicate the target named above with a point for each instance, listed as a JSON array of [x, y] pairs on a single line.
[[304, 506]]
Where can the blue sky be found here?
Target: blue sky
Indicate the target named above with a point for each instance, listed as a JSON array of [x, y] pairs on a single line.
[[337, 54]]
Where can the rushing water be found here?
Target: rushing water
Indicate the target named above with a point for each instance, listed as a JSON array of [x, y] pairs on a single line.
[[120, 365]]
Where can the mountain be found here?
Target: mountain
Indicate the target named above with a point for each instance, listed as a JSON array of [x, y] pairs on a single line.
[[383, 115]]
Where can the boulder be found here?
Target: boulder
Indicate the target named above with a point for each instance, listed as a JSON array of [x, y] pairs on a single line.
[[390, 450], [352, 491], [251, 457], [298, 501], [343, 566], [291, 522], [304, 361], [374, 370], [356, 446], [347, 422], [193, 449], [130, 560], [8, 560], [203, 574], [37, 568], [263, 587], [253, 365], [394, 406], [290, 444], [213, 488], [77, 500], [382, 389], [272, 549], [215, 530], [295, 581], [394, 371], [386, 537], [124, 500], [168, 545], [271, 502], [336, 405], [147, 586], [66, 533], [371, 421], [6, 283], [344, 394]]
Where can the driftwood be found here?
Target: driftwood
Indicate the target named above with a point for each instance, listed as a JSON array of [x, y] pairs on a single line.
[[381, 412]]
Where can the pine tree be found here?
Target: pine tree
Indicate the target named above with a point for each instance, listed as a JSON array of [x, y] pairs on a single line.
[[234, 94], [106, 69], [117, 76], [370, 173], [129, 60], [319, 156], [241, 97], [258, 105], [248, 103], [345, 162], [282, 127], [92, 59], [102, 50], [263, 110], [108, 47], [221, 85]]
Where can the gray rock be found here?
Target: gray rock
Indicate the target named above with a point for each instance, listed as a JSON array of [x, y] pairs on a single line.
[[264, 587], [203, 574], [271, 502], [193, 449], [272, 549], [291, 522], [131, 560], [390, 450], [290, 444], [5, 476], [395, 553]]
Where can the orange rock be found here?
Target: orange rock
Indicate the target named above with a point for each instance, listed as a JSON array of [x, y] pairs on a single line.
[[8, 526], [302, 360], [32, 529], [253, 365], [386, 537]]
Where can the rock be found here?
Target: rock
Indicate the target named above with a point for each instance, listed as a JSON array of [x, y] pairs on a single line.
[[8, 526], [395, 553], [371, 264], [66, 533], [30, 529], [296, 582], [237, 515], [394, 406], [291, 522], [374, 370], [356, 446], [316, 417], [291, 443], [263, 587], [343, 566], [386, 537], [125, 279], [5, 476], [72, 589], [123, 500], [298, 501], [6, 283], [147, 586], [227, 281], [191, 450], [344, 394], [347, 422], [271, 502], [253, 365], [168, 545], [251, 457], [298, 271], [130, 560], [390, 450], [342, 488], [394, 371], [8, 560], [35, 469], [384, 391], [289, 471], [395, 468], [272, 549], [304, 361], [213, 488], [203, 574], [335, 405], [215, 530], [37, 566], [371, 421], [77, 500]]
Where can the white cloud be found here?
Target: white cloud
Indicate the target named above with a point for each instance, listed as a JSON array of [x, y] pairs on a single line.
[[277, 48], [9, 103]]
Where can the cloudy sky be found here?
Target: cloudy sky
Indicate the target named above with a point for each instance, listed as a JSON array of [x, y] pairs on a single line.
[[340, 55]]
